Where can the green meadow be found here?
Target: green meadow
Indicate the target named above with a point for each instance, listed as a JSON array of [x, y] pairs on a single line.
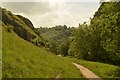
[[22, 59]]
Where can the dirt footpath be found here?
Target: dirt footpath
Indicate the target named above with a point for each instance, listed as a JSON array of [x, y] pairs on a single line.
[[87, 73]]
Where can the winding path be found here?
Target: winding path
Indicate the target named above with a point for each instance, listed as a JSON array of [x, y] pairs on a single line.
[[87, 73]]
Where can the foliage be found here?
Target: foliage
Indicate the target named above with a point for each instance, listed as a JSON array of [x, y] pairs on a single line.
[[63, 47], [53, 46], [56, 38], [100, 40], [56, 33]]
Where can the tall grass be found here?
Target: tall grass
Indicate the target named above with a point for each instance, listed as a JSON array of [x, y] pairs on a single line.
[[22, 59], [101, 69]]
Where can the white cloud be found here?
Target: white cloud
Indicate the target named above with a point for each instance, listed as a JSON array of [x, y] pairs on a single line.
[[30, 8], [56, 18], [45, 14], [50, 0]]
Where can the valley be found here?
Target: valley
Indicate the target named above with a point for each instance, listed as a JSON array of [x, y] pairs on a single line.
[[49, 53]]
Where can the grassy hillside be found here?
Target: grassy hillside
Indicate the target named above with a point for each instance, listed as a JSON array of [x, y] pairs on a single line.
[[23, 59], [22, 26], [101, 69]]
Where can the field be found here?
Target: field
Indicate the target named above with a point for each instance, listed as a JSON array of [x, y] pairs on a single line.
[[23, 59], [101, 69]]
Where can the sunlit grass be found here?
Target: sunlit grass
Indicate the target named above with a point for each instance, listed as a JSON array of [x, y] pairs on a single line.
[[23, 59], [101, 69]]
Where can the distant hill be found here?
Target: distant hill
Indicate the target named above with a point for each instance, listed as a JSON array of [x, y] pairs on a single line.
[[56, 33], [57, 38]]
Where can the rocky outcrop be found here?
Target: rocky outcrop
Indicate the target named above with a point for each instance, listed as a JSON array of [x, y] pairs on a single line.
[[21, 25], [27, 21]]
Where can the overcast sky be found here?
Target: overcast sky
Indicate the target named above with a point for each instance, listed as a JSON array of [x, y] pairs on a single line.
[[48, 13]]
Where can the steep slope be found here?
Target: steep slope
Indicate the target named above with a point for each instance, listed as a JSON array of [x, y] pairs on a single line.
[[22, 59], [27, 21], [22, 26]]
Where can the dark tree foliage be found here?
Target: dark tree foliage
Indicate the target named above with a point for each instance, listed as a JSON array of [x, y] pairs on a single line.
[[100, 41], [57, 38], [63, 47]]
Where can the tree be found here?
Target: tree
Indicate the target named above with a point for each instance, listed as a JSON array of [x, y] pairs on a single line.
[[63, 47], [53, 46], [100, 40]]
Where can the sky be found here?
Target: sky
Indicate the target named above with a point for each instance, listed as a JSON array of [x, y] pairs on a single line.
[[49, 13]]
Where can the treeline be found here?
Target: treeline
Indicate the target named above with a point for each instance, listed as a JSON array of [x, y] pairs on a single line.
[[57, 32], [99, 41], [57, 38]]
